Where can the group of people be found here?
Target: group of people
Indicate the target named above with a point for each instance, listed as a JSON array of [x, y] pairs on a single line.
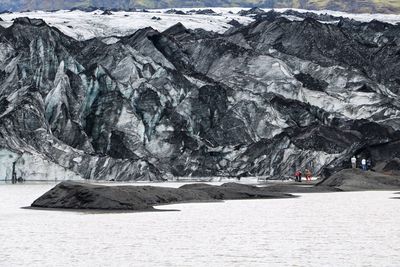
[[365, 164], [298, 175]]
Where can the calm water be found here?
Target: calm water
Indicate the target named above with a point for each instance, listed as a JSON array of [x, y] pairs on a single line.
[[336, 229]]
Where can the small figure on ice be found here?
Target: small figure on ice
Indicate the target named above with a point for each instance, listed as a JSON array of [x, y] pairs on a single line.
[[354, 162], [298, 176], [364, 164], [308, 175]]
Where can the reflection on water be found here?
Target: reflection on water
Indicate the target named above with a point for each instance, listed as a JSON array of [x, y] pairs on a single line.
[[335, 229]]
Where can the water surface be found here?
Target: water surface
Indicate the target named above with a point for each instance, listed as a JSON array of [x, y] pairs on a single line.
[[333, 229]]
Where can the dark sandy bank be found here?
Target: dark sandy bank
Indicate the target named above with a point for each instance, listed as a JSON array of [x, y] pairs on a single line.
[[301, 188], [74, 195], [358, 180], [396, 195]]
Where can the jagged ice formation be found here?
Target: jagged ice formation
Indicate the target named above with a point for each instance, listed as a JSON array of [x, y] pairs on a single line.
[[258, 100]]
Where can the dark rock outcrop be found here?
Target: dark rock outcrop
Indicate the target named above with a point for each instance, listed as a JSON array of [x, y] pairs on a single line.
[[107, 13], [357, 180], [251, 11], [174, 11], [29, 21], [234, 23], [72, 195], [203, 12], [300, 188], [392, 167]]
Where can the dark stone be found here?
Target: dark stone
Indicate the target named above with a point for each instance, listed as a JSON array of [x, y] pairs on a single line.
[[311, 83], [234, 23], [29, 21], [107, 12], [365, 89], [203, 12], [392, 166], [251, 11], [174, 11]]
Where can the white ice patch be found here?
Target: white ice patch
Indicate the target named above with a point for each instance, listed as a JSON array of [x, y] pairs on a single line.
[[160, 148], [129, 122], [110, 40], [86, 25], [5, 52], [77, 159], [6, 161], [32, 167]]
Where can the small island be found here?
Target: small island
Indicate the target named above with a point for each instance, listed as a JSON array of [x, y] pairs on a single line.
[[75, 195], [84, 196]]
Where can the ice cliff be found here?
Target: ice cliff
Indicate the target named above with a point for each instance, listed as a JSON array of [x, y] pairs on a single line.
[[259, 99]]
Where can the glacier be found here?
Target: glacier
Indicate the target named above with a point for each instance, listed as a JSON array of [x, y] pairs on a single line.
[[83, 25], [128, 97]]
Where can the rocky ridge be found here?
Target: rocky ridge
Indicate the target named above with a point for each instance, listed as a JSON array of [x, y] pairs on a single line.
[[366, 6]]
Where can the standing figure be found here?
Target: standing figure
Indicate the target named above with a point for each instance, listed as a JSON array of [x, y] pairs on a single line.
[[14, 174], [354, 162], [369, 164], [308, 175], [364, 164], [298, 176]]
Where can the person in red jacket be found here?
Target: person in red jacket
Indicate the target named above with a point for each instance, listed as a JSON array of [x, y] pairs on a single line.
[[298, 176], [308, 175]]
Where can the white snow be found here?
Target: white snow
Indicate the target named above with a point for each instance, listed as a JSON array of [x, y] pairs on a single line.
[[86, 25], [77, 159]]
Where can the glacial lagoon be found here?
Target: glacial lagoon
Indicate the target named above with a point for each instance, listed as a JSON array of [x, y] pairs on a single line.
[[318, 229]]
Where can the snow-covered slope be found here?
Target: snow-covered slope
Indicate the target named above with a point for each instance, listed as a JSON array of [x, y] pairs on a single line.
[[86, 25]]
